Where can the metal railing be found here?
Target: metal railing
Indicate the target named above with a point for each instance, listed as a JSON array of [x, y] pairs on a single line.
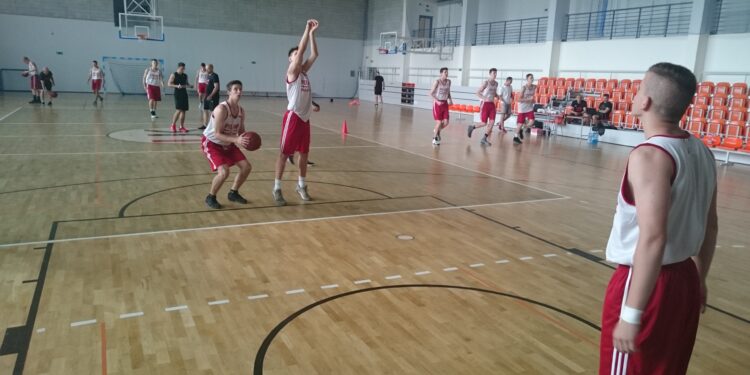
[[527, 30], [659, 20], [731, 17], [445, 36]]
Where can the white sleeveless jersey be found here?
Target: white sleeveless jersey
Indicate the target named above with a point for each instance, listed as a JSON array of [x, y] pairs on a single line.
[[490, 90], [505, 93], [443, 90], [153, 78], [32, 68], [96, 73], [300, 96], [232, 125], [202, 76], [692, 190], [527, 92]]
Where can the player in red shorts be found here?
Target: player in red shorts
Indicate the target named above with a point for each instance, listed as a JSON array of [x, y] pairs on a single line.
[[663, 236], [201, 79], [295, 132], [221, 142], [96, 77], [441, 99], [35, 83], [153, 82], [487, 93], [525, 108]]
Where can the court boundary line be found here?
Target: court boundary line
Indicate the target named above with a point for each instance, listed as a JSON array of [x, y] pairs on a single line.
[[10, 114], [196, 150]]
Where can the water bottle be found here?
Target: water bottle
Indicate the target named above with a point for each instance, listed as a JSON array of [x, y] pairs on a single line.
[[593, 137]]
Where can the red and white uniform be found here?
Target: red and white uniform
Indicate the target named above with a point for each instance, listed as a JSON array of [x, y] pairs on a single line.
[[35, 82], [217, 151], [442, 94], [487, 107], [202, 80], [153, 84], [670, 320], [96, 78], [526, 109], [295, 132]]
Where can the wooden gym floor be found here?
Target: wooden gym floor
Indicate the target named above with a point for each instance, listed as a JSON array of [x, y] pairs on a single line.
[[409, 260]]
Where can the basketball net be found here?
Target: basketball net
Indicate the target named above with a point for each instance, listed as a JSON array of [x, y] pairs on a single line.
[[141, 37]]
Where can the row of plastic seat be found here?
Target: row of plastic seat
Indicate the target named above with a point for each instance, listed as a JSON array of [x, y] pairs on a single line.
[[627, 85]]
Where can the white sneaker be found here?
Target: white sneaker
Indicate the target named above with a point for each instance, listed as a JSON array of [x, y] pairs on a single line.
[[435, 142], [302, 191]]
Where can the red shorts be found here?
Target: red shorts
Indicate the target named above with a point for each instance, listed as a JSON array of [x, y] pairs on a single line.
[[295, 134], [523, 117], [219, 155], [96, 84], [440, 111], [668, 325], [153, 92], [202, 88], [487, 111], [36, 83]]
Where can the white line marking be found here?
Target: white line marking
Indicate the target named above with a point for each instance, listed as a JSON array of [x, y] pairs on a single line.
[[41, 330], [584, 202], [597, 251], [295, 291], [271, 223], [131, 315], [330, 286], [718, 246], [53, 136], [421, 273], [738, 246], [502, 261], [550, 255], [176, 308], [257, 296], [365, 281], [83, 323], [10, 114], [393, 277], [476, 265], [450, 269], [219, 302], [526, 258], [160, 151]]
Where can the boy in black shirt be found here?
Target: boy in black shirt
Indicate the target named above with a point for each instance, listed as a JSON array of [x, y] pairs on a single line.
[[212, 95], [47, 82], [605, 108]]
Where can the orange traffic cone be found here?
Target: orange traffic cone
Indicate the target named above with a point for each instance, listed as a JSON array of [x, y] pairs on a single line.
[[344, 128]]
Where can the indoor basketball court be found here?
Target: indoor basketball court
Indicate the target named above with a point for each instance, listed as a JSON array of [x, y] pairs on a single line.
[[410, 258]]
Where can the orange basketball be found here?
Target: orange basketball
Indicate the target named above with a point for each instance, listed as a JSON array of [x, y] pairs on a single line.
[[253, 140]]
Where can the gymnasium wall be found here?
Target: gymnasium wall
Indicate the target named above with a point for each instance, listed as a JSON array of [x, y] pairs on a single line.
[[342, 19], [492, 10], [231, 52]]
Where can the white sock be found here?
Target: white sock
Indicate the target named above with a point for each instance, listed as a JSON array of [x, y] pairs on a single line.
[[301, 181], [276, 184]]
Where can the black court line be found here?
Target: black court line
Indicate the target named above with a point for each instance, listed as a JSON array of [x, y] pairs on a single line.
[[40, 248], [29, 281], [263, 350], [587, 256]]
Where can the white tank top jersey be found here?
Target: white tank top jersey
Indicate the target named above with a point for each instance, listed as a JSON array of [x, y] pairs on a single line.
[[32, 68], [443, 90], [693, 186], [232, 125], [505, 93], [490, 90], [153, 78], [202, 76], [96, 73], [299, 95], [527, 92]]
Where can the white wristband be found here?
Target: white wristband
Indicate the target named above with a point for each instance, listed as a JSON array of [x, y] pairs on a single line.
[[631, 315]]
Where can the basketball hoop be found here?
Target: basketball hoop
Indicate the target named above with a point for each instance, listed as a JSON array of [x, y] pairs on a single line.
[[141, 37], [383, 51]]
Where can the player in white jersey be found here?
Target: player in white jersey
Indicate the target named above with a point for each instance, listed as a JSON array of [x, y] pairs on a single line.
[[487, 93], [506, 100], [201, 80], [152, 84], [96, 77], [663, 236], [221, 142], [295, 132], [525, 117], [441, 100], [36, 84]]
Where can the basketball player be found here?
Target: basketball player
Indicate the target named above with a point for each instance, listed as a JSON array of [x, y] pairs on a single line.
[[663, 236], [179, 80], [220, 143], [506, 100], [315, 108], [48, 80], [201, 79], [211, 99], [33, 74], [379, 86], [487, 93], [525, 108], [152, 84], [96, 77], [441, 99], [295, 134]]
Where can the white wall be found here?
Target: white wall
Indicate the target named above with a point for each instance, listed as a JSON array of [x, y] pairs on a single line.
[[230, 52], [495, 10], [448, 15], [583, 6], [728, 58]]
